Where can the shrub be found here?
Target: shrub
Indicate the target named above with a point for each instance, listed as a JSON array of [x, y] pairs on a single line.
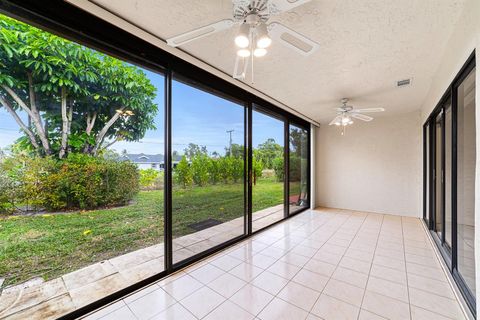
[[200, 166], [278, 168], [257, 168], [183, 173], [77, 182], [214, 170], [151, 179]]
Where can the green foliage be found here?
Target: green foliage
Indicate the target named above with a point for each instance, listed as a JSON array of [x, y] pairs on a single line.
[[225, 168], [183, 173], [193, 150], [35, 63], [199, 168], [267, 152], [77, 182], [257, 168], [279, 168], [151, 179], [214, 170]]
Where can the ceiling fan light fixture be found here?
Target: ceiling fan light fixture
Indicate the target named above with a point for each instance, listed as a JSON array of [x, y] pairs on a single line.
[[243, 53], [242, 38], [259, 52], [263, 39]]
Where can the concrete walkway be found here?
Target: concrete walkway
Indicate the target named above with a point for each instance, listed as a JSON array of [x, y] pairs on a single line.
[[39, 299]]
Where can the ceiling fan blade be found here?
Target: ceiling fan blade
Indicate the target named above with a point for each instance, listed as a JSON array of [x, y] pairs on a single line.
[[286, 5], [337, 118], [369, 110], [292, 39], [362, 117], [200, 32]]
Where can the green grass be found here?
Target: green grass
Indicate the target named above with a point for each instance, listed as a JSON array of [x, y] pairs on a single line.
[[54, 244]]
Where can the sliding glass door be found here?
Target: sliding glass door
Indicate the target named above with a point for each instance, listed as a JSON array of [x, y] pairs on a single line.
[[268, 169], [298, 169], [450, 164], [208, 153]]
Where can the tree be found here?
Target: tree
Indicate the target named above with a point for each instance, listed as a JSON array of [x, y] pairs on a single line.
[[236, 151], [298, 141], [257, 168], [76, 99], [278, 168], [183, 173], [193, 150], [200, 166], [268, 151]]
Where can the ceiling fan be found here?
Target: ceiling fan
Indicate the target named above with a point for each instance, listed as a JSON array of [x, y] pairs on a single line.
[[255, 34], [345, 113]]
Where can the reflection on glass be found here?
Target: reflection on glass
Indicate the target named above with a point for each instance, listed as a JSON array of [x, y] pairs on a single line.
[[438, 176], [268, 170], [448, 174], [81, 200], [298, 169], [208, 169], [466, 158]]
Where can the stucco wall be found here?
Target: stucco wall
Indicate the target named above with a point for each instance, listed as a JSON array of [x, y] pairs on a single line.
[[374, 167]]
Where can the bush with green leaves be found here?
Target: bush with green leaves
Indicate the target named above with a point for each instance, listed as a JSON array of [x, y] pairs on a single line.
[[76, 182], [214, 170], [200, 169], [183, 173], [257, 169], [278, 168], [151, 179]]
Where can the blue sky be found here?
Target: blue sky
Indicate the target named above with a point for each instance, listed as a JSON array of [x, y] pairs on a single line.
[[197, 117]]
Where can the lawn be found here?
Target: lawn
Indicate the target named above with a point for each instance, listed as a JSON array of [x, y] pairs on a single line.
[[51, 245]]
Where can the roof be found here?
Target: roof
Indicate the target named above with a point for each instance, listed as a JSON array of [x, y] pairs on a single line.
[[143, 158]]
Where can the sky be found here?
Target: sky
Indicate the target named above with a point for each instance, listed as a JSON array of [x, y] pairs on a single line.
[[197, 117]]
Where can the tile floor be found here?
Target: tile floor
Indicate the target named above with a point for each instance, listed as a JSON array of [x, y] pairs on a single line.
[[321, 264]]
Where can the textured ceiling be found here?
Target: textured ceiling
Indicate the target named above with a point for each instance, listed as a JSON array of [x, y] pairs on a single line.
[[365, 47]]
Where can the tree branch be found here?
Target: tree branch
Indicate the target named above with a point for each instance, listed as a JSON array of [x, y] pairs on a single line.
[[34, 116], [91, 122], [65, 123], [19, 121], [103, 132]]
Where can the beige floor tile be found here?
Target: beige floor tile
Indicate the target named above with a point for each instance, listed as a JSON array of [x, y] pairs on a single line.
[[352, 277], [226, 262], [355, 264], [294, 259], [367, 315], [246, 271], [329, 308], [123, 313], [182, 287], [278, 309], [285, 270], [140, 293], [327, 257], [433, 273], [227, 285], [388, 288], [270, 282], [389, 274], [386, 307], [311, 280], [151, 304], [359, 254], [176, 311], [440, 288], [228, 311], [106, 310], [261, 261], [344, 291], [389, 262], [422, 314], [207, 273], [444, 306], [299, 295], [251, 299], [202, 302], [320, 267]]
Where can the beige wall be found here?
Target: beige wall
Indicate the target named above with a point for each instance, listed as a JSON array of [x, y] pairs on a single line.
[[374, 167]]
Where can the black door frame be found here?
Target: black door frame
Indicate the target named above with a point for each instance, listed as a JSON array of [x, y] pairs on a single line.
[[450, 254]]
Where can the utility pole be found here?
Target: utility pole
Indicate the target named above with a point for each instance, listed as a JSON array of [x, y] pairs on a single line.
[[230, 148]]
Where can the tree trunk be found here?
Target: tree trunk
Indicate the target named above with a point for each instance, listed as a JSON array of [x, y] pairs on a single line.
[[90, 122], [65, 123], [103, 132], [19, 121], [34, 116]]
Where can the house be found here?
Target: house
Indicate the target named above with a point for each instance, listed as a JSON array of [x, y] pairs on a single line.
[[145, 161]]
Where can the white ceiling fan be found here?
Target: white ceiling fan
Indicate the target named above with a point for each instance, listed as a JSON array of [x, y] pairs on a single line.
[[345, 113], [254, 34]]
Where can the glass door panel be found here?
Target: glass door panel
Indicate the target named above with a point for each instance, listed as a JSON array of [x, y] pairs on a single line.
[[268, 169], [438, 177], [208, 194], [448, 174], [466, 159], [298, 169]]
